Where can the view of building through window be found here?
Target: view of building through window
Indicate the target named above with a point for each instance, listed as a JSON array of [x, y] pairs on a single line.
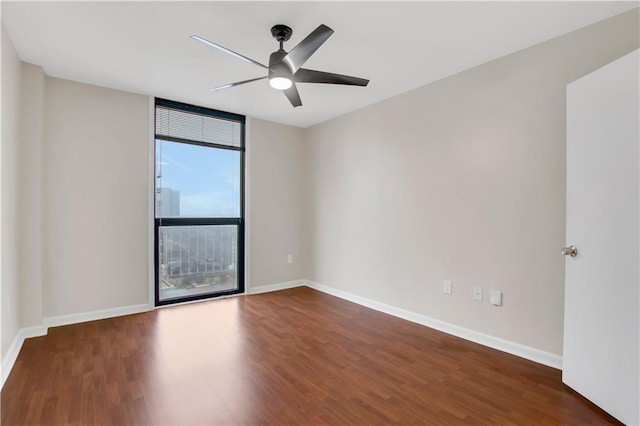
[[197, 259]]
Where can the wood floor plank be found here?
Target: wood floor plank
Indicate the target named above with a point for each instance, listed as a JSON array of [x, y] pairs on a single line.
[[295, 356]]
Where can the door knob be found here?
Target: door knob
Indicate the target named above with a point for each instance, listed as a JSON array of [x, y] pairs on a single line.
[[570, 251]]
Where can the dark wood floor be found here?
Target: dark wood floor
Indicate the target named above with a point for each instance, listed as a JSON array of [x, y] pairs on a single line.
[[291, 357]]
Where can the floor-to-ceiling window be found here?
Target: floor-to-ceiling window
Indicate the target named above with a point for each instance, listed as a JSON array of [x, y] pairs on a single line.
[[199, 210]]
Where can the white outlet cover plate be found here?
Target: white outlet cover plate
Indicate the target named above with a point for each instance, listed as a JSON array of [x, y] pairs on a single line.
[[496, 297], [446, 287], [477, 293]]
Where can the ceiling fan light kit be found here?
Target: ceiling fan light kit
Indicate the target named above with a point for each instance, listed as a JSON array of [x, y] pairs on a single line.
[[285, 68], [280, 83]]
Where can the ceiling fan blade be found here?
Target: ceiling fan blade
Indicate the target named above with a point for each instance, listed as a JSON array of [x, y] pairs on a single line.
[[310, 76], [229, 51], [238, 83], [303, 51], [293, 95]]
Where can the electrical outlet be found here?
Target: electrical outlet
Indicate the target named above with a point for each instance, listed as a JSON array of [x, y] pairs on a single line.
[[446, 287], [477, 293], [290, 258]]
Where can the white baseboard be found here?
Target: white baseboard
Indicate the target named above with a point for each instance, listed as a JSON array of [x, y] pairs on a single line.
[[527, 352], [276, 287], [95, 315], [12, 354]]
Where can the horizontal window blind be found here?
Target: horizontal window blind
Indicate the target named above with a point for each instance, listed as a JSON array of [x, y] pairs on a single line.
[[191, 126]]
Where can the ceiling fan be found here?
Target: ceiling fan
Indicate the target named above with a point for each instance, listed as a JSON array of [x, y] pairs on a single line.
[[285, 68]]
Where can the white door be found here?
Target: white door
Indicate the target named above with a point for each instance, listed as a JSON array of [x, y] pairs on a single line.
[[601, 354]]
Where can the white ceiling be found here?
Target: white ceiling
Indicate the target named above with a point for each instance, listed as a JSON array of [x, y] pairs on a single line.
[[144, 47]]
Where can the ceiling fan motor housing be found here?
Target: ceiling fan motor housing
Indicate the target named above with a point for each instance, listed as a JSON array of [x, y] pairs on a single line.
[[277, 67]]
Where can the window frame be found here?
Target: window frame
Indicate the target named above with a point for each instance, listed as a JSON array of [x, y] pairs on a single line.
[[239, 222]]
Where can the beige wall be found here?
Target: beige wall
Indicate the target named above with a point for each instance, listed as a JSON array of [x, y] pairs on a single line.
[[30, 174], [275, 191], [95, 174], [462, 180], [83, 172], [9, 176], [95, 227]]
